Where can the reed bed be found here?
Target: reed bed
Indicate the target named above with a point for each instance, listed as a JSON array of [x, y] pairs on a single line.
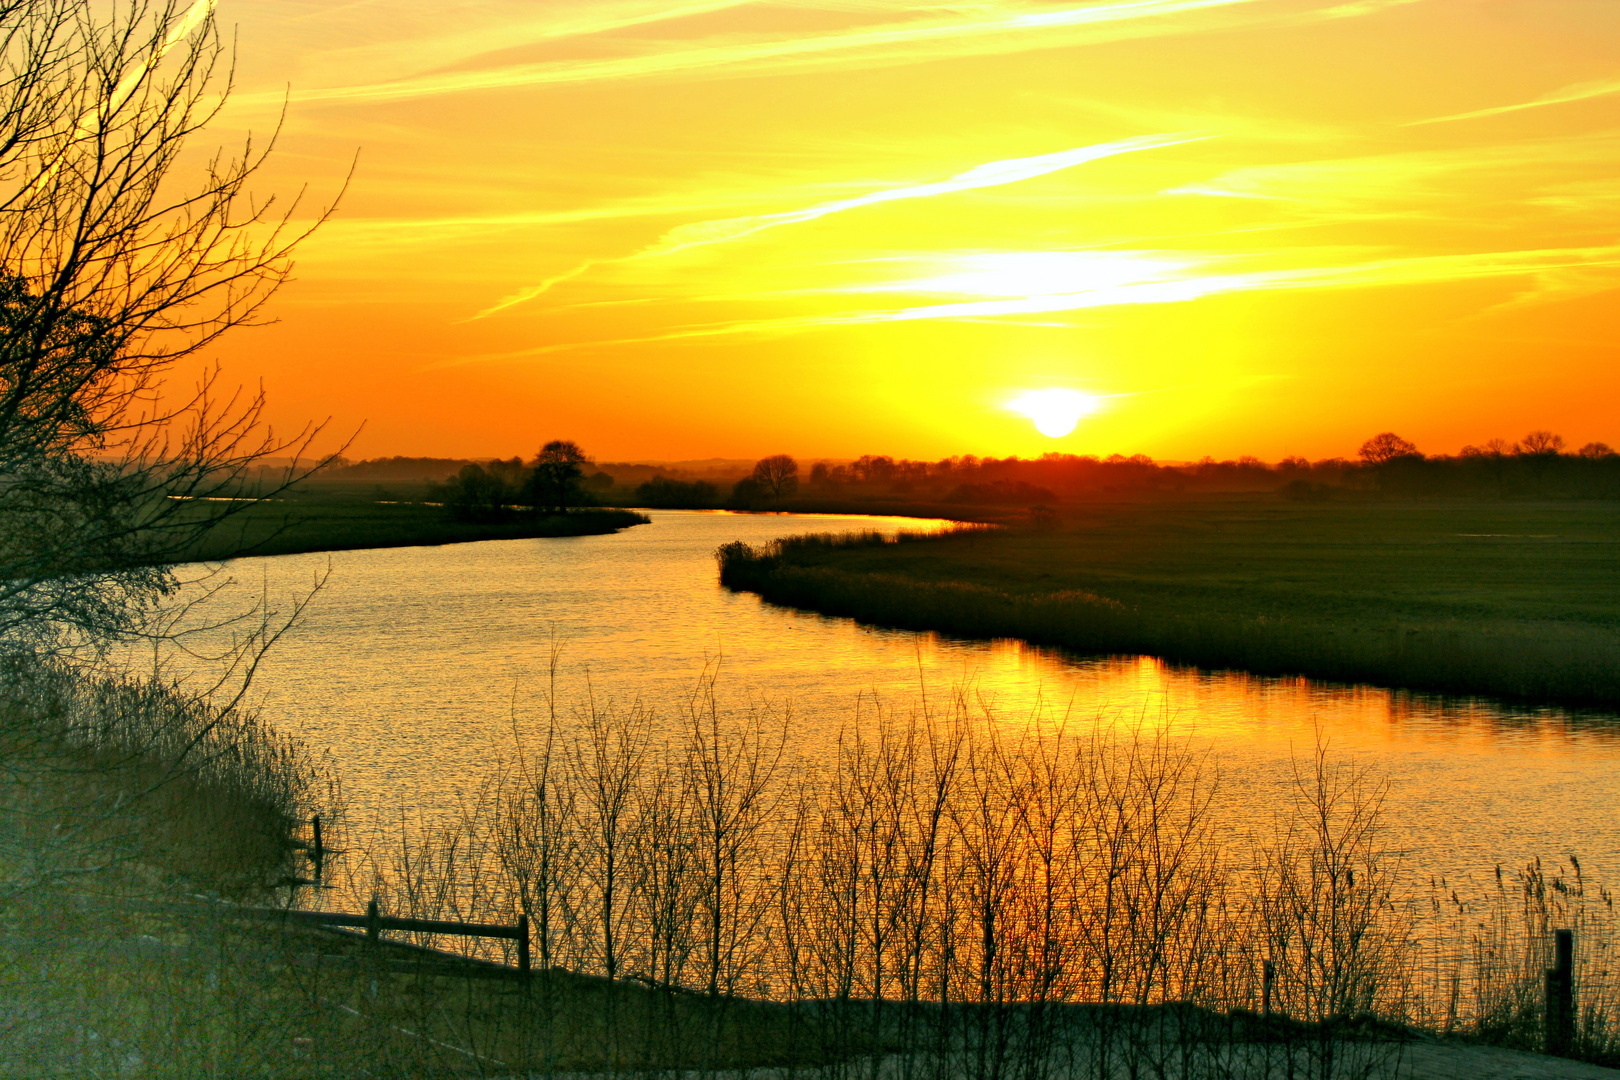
[[1540, 660], [114, 777]]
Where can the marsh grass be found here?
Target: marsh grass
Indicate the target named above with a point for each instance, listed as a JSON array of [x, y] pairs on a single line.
[[117, 777], [1535, 659], [121, 793], [1483, 969]]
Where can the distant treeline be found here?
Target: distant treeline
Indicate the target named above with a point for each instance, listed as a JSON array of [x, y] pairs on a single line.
[[554, 482], [1386, 465], [1538, 466]]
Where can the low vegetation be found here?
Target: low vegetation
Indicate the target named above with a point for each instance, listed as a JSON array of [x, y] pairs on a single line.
[[1516, 600], [291, 526]]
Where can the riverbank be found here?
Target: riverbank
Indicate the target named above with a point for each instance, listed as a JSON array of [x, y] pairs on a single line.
[[1502, 600], [296, 526]]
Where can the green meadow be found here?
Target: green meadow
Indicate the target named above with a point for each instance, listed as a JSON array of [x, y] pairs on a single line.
[[1518, 600]]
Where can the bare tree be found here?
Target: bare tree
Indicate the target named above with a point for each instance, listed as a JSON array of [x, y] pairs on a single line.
[[1386, 447], [558, 468], [607, 766], [1326, 897], [537, 839], [112, 269], [731, 779], [777, 474], [1541, 443]]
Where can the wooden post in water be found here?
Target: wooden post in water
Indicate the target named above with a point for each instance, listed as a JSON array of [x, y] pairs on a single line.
[[1268, 979], [317, 852], [523, 945], [1560, 1029]]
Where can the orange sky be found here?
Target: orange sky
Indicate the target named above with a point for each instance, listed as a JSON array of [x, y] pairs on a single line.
[[828, 227]]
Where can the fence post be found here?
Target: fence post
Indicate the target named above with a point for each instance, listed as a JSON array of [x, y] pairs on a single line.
[[1560, 1028], [317, 853], [373, 922], [523, 945], [1268, 979]]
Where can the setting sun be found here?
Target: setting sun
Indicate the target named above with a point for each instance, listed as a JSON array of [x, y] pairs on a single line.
[[1055, 412]]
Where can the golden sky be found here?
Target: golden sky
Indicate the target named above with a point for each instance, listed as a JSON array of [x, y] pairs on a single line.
[[832, 227]]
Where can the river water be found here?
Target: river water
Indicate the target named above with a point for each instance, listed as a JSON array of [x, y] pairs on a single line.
[[411, 664]]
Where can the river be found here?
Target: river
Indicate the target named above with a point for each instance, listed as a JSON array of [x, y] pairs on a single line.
[[411, 664]]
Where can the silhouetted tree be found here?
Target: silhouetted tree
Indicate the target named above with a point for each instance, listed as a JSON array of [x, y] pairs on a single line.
[[113, 267], [557, 472], [747, 493], [1596, 450], [777, 475], [1541, 443], [1386, 447], [477, 494], [1540, 450]]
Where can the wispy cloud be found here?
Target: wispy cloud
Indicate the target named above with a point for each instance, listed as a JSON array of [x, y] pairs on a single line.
[[401, 37], [1412, 183], [1575, 92], [990, 174], [989, 28], [346, 236], [1166, 278], [730, 230]]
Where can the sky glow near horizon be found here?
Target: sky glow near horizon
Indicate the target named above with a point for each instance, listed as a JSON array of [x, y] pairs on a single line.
[[833, 227]]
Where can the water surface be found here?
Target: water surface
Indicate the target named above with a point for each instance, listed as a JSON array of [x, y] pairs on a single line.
[[412, 663]]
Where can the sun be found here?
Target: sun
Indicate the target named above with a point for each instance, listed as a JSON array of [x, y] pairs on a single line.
[[1055, 412]]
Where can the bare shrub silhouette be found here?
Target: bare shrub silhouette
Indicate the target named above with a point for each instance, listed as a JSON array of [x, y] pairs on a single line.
[[955, 893]]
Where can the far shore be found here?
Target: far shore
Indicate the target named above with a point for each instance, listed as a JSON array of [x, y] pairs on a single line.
[[1504, 600], [297, 527]]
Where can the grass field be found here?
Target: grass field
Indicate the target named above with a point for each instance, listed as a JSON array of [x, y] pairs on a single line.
[[1504, 599], [306, 524]]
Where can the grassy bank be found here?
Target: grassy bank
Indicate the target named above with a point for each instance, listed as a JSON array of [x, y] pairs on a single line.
[[134, 784], [1507, 600], [308, 524]]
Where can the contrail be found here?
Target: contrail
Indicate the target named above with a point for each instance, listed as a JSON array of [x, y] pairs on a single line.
[[1576, 92], [990, 174]]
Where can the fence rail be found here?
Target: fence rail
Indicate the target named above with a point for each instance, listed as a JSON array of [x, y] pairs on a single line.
[[374, 923]]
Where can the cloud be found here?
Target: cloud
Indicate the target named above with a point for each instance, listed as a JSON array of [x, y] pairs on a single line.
[[1434, 184], [990, 174], [730, 230], [1171, 279], [1178, 287], [1575, 92], [1004, 28]]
